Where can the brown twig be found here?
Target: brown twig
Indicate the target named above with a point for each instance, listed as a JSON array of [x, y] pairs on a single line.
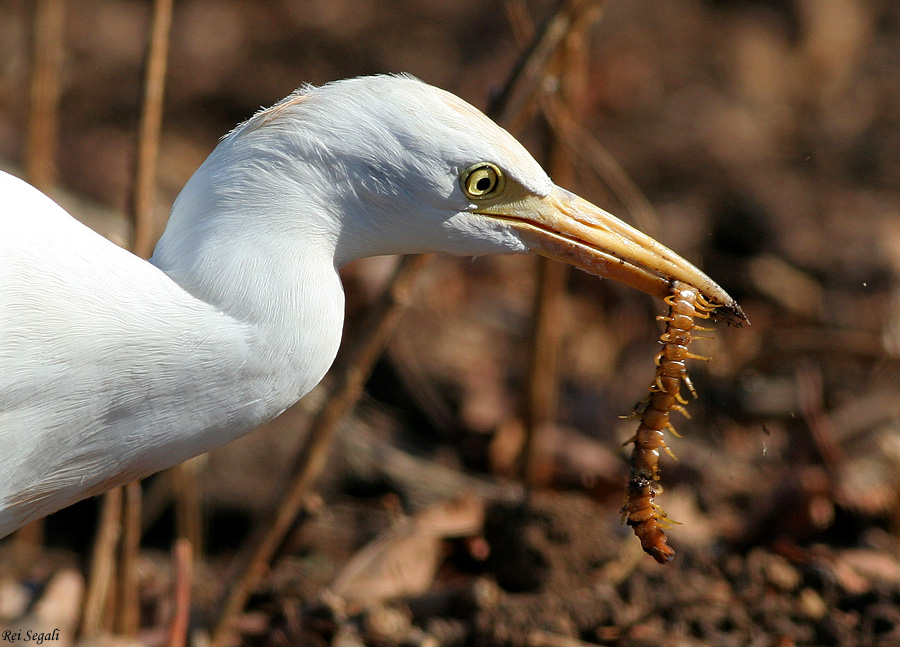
[[182, 571], [150, 127], [543, 368], [129, 615], [546, 337], [101, 579], [188, 506], [528, 74], [519, 21], [43, 119]]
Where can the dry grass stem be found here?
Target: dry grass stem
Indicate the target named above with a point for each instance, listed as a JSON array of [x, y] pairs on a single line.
[[43, 117], [150, 127], [182, 569], [519, 21], [188, 506], [129, 613], [543, 369], [546, 338], [529, 73], [102, 577]]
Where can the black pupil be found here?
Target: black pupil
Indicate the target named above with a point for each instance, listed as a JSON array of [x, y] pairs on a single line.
[[483, 184]]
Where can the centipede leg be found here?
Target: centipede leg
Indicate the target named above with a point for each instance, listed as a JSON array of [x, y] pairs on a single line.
[[680, 409], [690, 386]]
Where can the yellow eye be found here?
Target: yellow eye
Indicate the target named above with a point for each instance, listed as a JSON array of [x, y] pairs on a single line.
[[482, 180]]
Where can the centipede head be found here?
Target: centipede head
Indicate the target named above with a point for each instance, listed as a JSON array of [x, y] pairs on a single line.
[[732, 314], [726, 309]]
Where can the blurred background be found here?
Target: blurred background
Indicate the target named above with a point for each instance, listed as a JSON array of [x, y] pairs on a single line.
[[763, 137]]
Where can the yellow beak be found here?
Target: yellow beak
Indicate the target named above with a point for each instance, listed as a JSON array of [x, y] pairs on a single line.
[[567, 228]]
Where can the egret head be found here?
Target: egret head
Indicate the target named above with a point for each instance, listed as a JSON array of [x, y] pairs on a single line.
[[392, 165]]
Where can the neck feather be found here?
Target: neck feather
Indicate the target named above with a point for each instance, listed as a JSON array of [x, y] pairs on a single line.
[[243, 238]]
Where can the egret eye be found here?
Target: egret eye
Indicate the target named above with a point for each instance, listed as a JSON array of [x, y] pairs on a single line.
[[483, 180]]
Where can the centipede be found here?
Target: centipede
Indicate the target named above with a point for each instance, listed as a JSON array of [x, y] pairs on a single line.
[[641, 512]]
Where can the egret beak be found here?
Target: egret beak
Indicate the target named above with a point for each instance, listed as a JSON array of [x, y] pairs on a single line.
[[567, 228]]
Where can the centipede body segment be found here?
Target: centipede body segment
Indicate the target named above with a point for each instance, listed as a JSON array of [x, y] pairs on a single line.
[[647, 519]]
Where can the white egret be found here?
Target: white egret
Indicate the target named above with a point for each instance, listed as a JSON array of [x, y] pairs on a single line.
[[112, 368]]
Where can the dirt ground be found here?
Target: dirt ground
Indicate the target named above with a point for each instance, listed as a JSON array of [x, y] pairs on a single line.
[[765, 136]]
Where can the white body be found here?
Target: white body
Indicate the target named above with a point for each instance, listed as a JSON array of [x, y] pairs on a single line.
[[111, 371]]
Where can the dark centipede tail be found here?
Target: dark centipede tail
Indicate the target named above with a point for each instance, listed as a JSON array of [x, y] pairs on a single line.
[[645, 517]]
